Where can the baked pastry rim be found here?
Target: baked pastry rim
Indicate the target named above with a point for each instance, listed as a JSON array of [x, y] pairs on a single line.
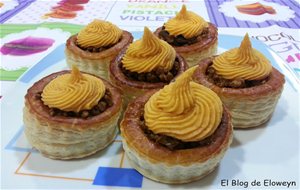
[[112, 51], [198, 46], [119, 77], [36, 106], [275, 82]]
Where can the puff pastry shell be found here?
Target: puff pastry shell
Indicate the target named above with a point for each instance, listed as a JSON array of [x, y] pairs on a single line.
[[249, 107], [94, 63], [171, 166], [61, 137]]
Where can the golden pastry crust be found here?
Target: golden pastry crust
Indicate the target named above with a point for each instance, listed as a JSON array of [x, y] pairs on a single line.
[[196, 52], [249, 107], [131, 88], [94, 63], [179, 166], [62, 137]]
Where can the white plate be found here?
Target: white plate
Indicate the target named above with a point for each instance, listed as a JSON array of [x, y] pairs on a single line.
[[261, 154]]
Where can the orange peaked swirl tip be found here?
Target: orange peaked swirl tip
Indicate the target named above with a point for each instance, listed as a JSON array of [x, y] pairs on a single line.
[[243, 62]]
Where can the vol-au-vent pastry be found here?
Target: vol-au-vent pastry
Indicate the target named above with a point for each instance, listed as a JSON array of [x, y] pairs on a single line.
[[92, 49], [148, 63], [245, 81], [71, 114], [177, 134], [190, 35]]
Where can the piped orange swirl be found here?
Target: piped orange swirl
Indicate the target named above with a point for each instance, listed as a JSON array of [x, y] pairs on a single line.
[[73, 91], [99, 34], [186, 23], [184, 110], [148, 54], [244, 62]]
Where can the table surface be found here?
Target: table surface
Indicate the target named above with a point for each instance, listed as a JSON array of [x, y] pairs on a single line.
[[276, 23]]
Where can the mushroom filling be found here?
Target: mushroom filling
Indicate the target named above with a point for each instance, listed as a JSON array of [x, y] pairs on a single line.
[[158, 75], [104, 103]]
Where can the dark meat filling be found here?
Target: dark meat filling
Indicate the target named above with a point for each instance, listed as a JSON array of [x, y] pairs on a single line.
[[170, 142], [94, 49], [158, 75], [180, 40], [213, 77], [104, 103]]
